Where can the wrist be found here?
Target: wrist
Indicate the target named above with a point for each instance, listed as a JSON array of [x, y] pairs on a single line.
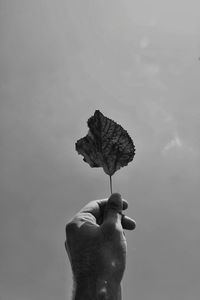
[[102, 290]]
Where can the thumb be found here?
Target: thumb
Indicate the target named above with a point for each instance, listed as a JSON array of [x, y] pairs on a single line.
[[112, 214]]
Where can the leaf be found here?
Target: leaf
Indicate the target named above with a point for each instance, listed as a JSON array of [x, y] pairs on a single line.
[[106, 145]]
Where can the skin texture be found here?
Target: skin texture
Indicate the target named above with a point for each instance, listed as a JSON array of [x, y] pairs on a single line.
[[96, 247]]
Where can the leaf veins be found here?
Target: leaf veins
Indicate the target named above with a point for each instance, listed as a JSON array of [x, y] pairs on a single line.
[[106, 145]]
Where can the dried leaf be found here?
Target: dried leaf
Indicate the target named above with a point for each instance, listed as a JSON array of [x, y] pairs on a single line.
[[106, 145]]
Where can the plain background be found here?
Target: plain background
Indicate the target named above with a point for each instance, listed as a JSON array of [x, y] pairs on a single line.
[[138, 62]]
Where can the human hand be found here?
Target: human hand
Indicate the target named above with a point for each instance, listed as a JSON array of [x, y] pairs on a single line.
[[96, 246]]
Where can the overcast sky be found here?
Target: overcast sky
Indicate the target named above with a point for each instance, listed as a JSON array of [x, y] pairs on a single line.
[[138, 62]]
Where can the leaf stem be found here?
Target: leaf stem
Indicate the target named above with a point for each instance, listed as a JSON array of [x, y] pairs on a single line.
[[111, 185]]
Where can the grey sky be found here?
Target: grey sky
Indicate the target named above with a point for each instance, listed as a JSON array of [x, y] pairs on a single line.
[[136, 61]]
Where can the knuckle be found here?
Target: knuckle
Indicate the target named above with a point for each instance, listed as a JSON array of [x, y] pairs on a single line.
[[70, 235], [70, 228]]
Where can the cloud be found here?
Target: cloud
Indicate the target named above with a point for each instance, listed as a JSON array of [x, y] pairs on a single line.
[[174, 143], [181, 147]]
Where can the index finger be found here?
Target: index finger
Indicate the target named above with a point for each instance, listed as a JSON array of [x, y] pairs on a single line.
[[97, 207]]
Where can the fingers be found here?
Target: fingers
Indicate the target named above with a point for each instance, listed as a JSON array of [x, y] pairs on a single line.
[[111, 225], [128, 223], [114, 206], [103, 202], [97, 207], [97, 210], [113, 212]]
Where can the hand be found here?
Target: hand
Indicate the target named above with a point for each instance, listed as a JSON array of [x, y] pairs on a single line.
[[96, 246]]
